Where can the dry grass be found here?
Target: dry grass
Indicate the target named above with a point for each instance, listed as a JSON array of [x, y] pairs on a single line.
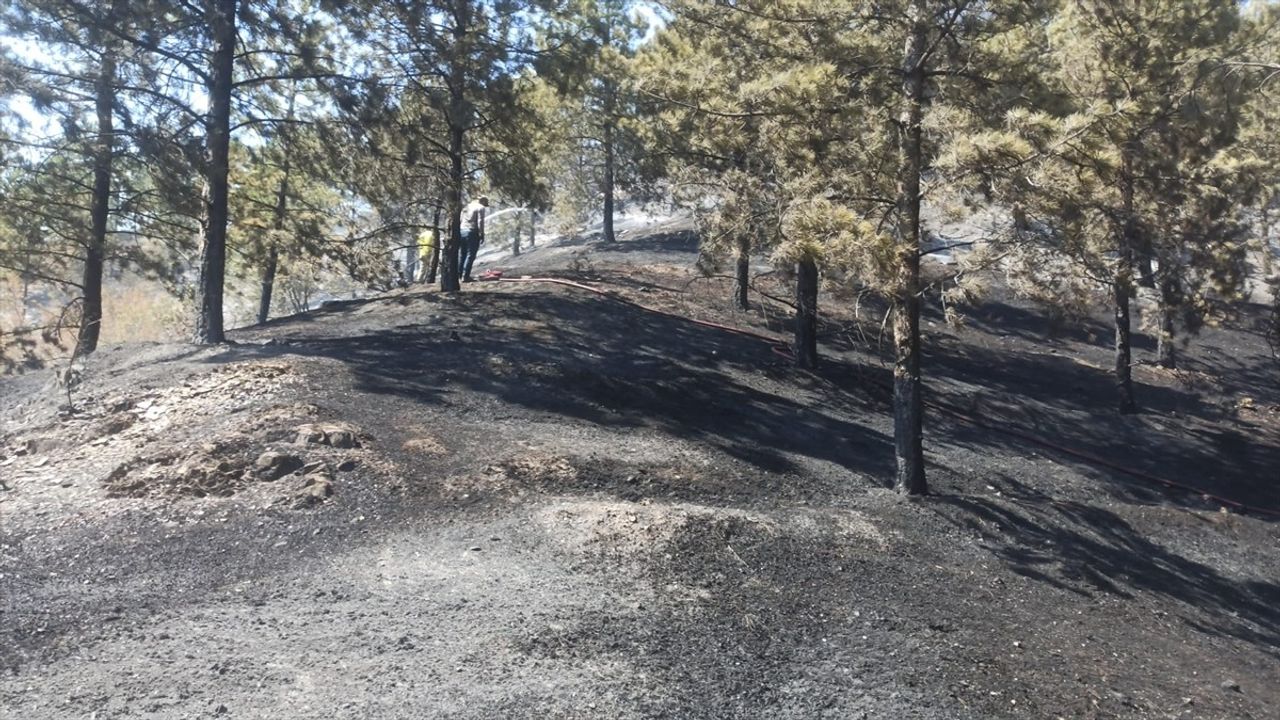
[[142, 311], [425, 445]]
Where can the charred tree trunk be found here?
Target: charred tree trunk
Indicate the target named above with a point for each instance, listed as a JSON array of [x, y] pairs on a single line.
[[450, 279], [268, 283], [1166, 350], [100, 210], [607, 140], [609, 235], [459, 119], [279, 214], [1122, 288], [742, 276], [213, 230], [434, 263], [908, 400], [806, 314], [1122, 292]]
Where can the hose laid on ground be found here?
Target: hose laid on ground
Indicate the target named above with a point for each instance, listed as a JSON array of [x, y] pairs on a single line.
[[784, 349]]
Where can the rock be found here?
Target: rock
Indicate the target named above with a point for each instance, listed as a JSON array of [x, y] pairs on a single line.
[[275, 465], [310, 435], [117, 423], [316, 490], [1231, 685], [315, 467], [48, 443], [348, 465], [335, 435], [341, 438], [118, 404], [318, 476]]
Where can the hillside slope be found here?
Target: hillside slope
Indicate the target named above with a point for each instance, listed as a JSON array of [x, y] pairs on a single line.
[[531, 500]]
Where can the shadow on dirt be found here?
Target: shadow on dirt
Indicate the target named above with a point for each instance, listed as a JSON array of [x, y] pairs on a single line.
[[668, 243], [603, 362], [1088, 550], [1000, 319], [1179, 435], [748, 626], [599, 361]]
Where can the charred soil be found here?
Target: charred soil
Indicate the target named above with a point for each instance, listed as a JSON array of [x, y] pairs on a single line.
[[531, 500]]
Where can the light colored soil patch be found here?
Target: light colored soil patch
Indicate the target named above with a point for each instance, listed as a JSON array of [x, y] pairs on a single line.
[[425, 445], [591, 525]]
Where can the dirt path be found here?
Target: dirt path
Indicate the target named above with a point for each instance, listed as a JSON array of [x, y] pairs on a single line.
[[562, 507]]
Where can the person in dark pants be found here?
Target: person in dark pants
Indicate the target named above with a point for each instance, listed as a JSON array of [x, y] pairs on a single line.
[[473, 216]]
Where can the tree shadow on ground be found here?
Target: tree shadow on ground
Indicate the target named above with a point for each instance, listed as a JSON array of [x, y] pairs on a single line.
[[1088, 550], [600, 361], [999, 319], [596, 360], [1180, 435], [683, 242]]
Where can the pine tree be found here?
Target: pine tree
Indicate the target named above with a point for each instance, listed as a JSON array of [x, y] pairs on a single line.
[[728, 116], [1129, 171], [201, 44], [857, 102], [91, 55], [282, 205], [597, 108], [456, 60]]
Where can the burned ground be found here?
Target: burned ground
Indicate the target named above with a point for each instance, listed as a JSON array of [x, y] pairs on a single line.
[[566, 506]]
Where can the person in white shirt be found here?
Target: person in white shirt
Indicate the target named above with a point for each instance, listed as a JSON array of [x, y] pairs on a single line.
[[473, 235]]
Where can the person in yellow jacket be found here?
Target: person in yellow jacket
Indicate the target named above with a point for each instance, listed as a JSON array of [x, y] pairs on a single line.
[[428, 257]]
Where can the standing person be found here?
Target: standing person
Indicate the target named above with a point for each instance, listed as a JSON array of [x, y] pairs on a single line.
[[426, 249], [473, 216]]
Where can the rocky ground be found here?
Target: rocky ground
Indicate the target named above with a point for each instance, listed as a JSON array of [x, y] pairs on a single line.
[[529, 500]]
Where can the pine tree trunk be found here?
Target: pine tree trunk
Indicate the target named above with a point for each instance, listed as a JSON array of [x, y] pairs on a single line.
[[268, 284], [1124, 343], [609, 153], [279, 214], [515, 237], [410, 258], [806, 314], [434, 267], [908, 400], [742, 277], [1122, 289], [213, 245], [450, 272], [1268, 259], [1146, 263], [1166, 352], [609, 235], [533, 230], [100, 209], [450, 280]]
